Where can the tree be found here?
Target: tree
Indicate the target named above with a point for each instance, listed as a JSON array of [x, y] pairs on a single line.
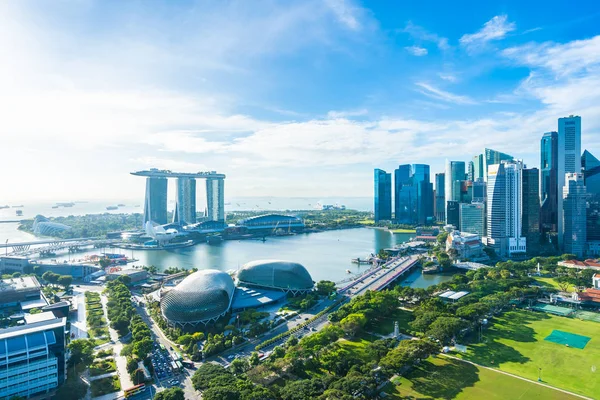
[[353, 323], [174, 393], [16, 274], [505, 274], [132, 365], [441, 238], [125, 279], [563, 283], [325, 288], [82, 351], [65, 281], [207, 373], [302, 389], [239, 366], [445, 328], [104, 262], [278, 352], [254, 359], [50, 276], [143, 347], [220, 393]]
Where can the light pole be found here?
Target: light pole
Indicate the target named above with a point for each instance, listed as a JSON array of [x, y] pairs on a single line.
[[6, 248], [539, 374]]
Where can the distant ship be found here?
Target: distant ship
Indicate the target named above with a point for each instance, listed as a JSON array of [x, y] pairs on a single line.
[[19, 213], [120, 205], [2, 207], [21, 206], [54, 206], [110, 208], [65, 204]]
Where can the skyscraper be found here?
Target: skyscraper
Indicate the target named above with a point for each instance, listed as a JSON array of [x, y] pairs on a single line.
[[424, 193], [549, 182], [569, 161], [472, 218], [453, 214], [478, 171], [590, 166], [383, 196], [531, 208], [404, 195], [215, 199], [155, 205], [504, 208], [185, 204], [491, 157], [479, 191], [455, 171], [574, 214], [471, 171], [440, 197]]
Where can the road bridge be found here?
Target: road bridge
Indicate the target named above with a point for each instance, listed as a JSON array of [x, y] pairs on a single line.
[[52, 245]]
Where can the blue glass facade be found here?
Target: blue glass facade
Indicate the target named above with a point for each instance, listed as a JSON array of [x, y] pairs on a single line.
[[155, 206], [591, 170], [549, 182], [383, 195], [413, 192]]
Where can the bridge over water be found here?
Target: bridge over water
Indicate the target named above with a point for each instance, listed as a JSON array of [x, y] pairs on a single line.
[[51, 245]]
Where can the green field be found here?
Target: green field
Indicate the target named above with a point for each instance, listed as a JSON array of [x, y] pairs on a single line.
[[445, 378], [401, 230], [384, 325], [515, 343], [550, 282]]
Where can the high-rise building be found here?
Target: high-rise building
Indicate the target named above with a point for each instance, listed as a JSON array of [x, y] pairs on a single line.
[[491, 157], [471, 171], [185, 205], [455, 171], [155, 205], [472, 218], [215, 199], [424, 192], [383, 196], [32, 357], [569, 161], [479, 191], [590, 166], [440, 197], [478, 171], [549, 182], [404, 196], [531, 208], [504, 208], [574, 214], [453, 214]]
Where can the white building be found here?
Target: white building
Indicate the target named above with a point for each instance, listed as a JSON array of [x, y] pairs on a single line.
[[505, 209], [574, 229], [467, 245], [569, 161]]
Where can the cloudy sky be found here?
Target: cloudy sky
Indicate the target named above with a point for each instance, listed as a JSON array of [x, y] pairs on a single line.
[[288, 98]]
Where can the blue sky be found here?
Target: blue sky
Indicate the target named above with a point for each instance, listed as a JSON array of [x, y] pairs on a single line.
[[288, 98]]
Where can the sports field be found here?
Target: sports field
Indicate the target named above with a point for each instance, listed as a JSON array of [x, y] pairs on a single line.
[[445, 378], [515, 343]]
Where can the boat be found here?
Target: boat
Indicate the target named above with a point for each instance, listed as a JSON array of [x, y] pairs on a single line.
[[110, 208], [214, 239], [2, 207], [121, 205], [54, 206], [20, 206], [348, 271], [19, 213], [65, 204]]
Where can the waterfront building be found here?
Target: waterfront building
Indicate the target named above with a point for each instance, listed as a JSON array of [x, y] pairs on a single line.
[[478, 171], [467, 245], [185, 203], [383, 196], [12, 264], [504, 209], [155, 204], [453, 214], [287, 276], [424, 193], [271, 223], [492, 157], [472, 218], [549, 182], [44, 227], [215, 199], [531, 209], [404, 196], [568, 162], [32, 357], [455, 171], [574, 214], [440, 195]]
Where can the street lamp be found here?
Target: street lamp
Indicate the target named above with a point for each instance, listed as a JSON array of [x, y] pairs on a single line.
[[539, 374]]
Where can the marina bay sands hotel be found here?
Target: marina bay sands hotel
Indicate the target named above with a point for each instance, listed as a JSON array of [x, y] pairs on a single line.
[[155, 204]]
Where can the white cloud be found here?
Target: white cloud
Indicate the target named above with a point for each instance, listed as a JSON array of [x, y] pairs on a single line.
[[345, 12], [436, 93], [419, 33], [346, 114], [495, 29], [416, 51], [448, 77]]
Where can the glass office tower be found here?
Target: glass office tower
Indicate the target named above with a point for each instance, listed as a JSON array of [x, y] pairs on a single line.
[[155, 204], [383, 196], [549, 182], [574, 215]]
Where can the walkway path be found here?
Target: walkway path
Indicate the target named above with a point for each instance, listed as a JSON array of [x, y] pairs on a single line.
[[518, 377], [95, 378]]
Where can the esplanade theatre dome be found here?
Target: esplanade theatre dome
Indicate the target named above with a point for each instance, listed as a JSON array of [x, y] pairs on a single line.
[[276, 274], [202, 297]]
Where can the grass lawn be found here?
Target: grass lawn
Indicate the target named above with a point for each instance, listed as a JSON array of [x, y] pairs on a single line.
[[515, 343], [385, 325], [401, 230], [550, 282], [356, 347], [444, 378], [105, 385], [102, 367]]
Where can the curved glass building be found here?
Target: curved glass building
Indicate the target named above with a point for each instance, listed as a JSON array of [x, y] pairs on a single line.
[[276, 274], [200, 298]]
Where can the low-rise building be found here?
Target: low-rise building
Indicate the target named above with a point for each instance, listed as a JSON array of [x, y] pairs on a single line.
[[15, 291], [136, 275], [10, 264], [467, 245]]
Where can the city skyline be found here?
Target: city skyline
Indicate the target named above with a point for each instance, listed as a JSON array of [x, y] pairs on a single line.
[[282, 113]]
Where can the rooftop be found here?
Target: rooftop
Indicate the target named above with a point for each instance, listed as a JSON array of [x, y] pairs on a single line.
[[44, 316], [165, 173], [32, 328], [452, 295], [21, 283]]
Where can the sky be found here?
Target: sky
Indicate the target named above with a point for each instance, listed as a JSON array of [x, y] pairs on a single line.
[[287, 98]]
